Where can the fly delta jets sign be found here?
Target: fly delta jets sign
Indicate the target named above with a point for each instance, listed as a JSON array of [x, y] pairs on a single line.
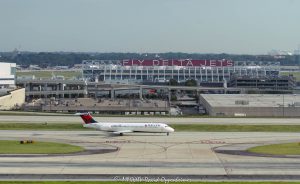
[[177, 62]]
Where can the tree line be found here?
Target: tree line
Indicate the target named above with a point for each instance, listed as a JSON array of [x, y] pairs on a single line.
[[45, 59]]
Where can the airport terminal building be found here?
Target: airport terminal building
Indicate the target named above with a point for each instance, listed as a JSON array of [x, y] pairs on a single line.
[[161, 70]]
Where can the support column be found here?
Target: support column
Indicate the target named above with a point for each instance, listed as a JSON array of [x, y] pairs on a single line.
[[169, 95], [147, 74], [201, 74], [122, 73], [130, 73], [112, 94], [110, 73], [218, 74], [153, 74], [223, 73], [225, 86], [57, 91], [104, 72], [198, 95], [85, 90], [45, 89], [141, 93]]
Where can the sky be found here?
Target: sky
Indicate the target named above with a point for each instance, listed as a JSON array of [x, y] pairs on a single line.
[[192, 26]]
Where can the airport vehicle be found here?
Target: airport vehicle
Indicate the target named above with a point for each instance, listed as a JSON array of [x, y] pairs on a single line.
[[121, 128]]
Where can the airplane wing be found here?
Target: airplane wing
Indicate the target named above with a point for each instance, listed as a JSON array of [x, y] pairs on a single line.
[[122, 131]]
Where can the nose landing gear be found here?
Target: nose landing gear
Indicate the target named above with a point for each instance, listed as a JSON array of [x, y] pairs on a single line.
[[168, 133]]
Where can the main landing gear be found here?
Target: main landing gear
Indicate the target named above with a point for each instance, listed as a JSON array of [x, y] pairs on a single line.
[[121, 134], [168, 133]]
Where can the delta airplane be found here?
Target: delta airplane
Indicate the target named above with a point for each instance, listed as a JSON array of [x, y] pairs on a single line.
[[121, 128]]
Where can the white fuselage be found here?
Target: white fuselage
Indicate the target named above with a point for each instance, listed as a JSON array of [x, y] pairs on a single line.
[[131, 127]]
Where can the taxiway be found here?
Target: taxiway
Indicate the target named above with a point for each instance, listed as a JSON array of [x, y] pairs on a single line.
[[175, 120], [181, 153]]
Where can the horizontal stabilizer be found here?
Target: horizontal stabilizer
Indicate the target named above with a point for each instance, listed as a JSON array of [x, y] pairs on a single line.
[[81, 113]]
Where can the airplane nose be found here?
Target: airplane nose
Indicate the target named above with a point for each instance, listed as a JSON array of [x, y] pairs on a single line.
[[169, 129]]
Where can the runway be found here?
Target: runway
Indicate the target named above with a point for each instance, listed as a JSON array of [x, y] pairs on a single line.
[[174, 120], [182, 153]]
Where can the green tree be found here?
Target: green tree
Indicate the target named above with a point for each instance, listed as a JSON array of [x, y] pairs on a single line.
[[191, 82], [173, 82], [173, 97]]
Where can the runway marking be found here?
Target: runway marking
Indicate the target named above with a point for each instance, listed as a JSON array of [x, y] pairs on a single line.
[[151, 142], [115, 141]]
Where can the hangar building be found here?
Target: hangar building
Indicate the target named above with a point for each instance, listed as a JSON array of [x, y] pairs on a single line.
[[264, 105]]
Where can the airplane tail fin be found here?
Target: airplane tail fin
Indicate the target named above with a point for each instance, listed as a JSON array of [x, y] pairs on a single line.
[[87, 117]]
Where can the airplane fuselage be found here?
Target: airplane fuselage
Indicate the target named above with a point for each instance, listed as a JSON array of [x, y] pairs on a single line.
[[131, 127], [121, 128]]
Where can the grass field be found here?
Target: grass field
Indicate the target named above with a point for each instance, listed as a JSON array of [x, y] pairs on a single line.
[[28, 113], [124, 182], [48, 74], [41, 126], [278, 149], [23, 113], [14, 147], [236, 128], [178, 127]]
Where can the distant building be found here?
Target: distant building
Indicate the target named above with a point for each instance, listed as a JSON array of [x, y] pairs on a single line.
[[297, 54], [7, 75], [61, 67], [275, 83], [34, 67], [77, 66], [267, 105]]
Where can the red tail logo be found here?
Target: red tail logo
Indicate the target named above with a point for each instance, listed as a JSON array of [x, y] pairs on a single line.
[[87, 118]]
